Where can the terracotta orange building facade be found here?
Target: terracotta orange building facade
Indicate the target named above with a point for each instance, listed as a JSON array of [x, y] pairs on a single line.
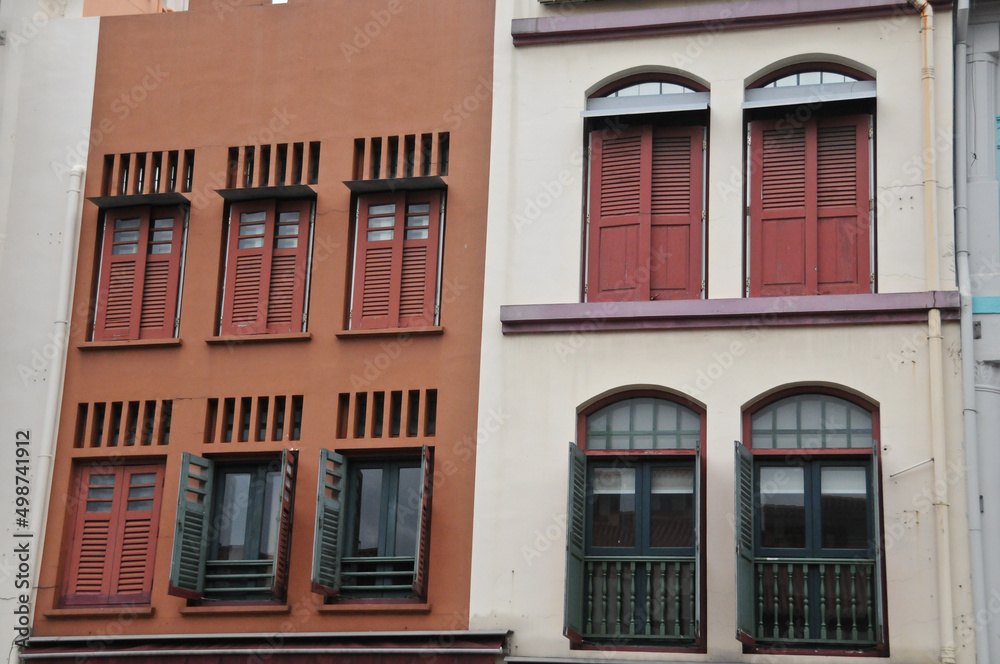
[[270, 411]]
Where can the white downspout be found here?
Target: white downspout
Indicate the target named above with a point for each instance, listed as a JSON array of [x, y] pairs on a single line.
[[57, 366], [970, 415], [946, 623]]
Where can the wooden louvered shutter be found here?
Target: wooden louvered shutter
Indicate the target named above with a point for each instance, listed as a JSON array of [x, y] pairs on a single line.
[[97, 522], [123, 264], [329, 507], [421, 237], [782, 238], [617, 256], [422, 554], [877, 553], [576, 534], [378, 263], [746, 596], [842, 205], [161, 273], [135, 539], [282, 554], [194, 513], [251, 239], [676, 214], [286, 289]]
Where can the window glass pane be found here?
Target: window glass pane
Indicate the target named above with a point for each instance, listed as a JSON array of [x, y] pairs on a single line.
[[598, 421], [288, 229], [690, 441], [620, 417], [378, 236], [642, 418], [652, 88], [230, 518], [417, 234], [286, 243], [99, 506], [407, 512], [143, 478], [810, 78], [844, 505], [836, 414], [861, 440], [122, 249], [621, 442], [786, 414], [689, 420], [126, 236], [102, 480], [381, 222], [597, 442], [96, 493], [761, 440], [162, 236], [811, 412], [782, 508], [786, 440], [252, 217], [271, 513], [671, 507], [163, 223], [288, 217], [159, 248], [141, 492], [368, 507], [613, 507], [641, 442], [251, 229], [417, 221], [251, 243], [418, 208], [125, 224], [388, 208]]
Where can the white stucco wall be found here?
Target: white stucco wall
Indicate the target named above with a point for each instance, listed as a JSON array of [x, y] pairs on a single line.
[[538, 382], [46, 94]]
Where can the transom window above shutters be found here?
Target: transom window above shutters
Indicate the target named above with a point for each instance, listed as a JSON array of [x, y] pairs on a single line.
[[139, 275]]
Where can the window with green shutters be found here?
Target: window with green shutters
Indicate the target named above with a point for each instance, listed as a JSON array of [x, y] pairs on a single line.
[[633, 565], [809, 547]]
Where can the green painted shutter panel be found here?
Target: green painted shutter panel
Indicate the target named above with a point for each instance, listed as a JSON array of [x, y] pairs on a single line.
[[697, 541], [876, 500], [194, 513], [329, 507], [424, 538], [576, 522], [282, 557], [745, 601]]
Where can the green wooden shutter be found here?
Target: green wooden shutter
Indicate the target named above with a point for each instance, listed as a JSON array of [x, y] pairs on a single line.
[[194, 514], [576, 522], [745, 600], [424, 521], [282, 557], [697, 541], [876, 545], [329, 506]]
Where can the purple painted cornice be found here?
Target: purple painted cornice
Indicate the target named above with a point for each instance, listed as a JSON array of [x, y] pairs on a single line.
[[698, 17], [800, 310]]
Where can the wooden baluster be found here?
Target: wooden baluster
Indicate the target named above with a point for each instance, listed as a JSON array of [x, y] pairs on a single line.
[[760, 599], [604, 598], [630, 607], [870, 585], [648, 627], [854, 603], [777, 600], [588, 602], [618, 598], [677, 599], [691, 600], [791, 601], [805, 601], [836, 590], [663, 598], [822, 601]]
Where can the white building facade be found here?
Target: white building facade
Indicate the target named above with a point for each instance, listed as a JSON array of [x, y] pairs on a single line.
[[721, 332]]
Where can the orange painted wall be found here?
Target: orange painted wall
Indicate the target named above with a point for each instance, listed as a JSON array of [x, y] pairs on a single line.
[[229, 73]]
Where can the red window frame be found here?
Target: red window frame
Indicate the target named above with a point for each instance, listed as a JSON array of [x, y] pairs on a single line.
[[395, 276], [113, 548], [645, 218], [138, 287], [265, 288], [810, 199]]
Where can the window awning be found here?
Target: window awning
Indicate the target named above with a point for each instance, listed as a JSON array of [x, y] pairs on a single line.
[[632, 105], [795, 95]]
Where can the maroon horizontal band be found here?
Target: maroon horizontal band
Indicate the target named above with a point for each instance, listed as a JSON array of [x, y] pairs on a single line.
[[569, 25], [800, 310]]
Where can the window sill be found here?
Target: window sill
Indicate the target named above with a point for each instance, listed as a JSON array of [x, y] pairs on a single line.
[[238, 339], [101, 612], [234, 609], [428, 331], [361, 606], [129, 343], [799, 310]]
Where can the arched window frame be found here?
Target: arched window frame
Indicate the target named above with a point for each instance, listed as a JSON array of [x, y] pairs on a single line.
[[582, 462]]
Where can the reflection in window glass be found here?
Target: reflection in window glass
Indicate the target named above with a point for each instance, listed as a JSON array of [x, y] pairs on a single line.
[[614, 507], [782, 508], [844, 505]]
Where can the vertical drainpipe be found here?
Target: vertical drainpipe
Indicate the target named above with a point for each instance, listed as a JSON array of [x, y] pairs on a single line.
[[969, 413], [946, 623]]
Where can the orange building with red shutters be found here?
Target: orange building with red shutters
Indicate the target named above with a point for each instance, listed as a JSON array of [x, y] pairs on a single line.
[[269, 420]]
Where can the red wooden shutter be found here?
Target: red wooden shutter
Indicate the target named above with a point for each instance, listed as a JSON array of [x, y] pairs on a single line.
[[286, 292], [418, 270], [161, 274], [282, 557], [378, 264], [676, 210], [842, 202], [123, 264], [135, 542], [251, 238], [88, 577], [618, 256]]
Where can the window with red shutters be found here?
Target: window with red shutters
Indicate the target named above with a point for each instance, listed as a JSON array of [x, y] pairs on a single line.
[[646, 213], [266, 267], [114, 539], [809, 202], [137, 295], [396, 260]]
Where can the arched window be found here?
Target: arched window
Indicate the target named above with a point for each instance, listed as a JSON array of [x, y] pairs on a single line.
[[633, 566], [646, 140], [810, 182], [808, 535]]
